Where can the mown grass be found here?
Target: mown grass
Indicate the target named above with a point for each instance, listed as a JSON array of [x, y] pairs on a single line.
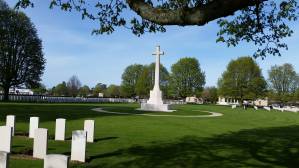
[[237, 139]]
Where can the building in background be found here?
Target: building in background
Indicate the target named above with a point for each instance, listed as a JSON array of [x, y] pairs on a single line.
[[227, 101], [20, 91], [261, 102], [194, 100], [101, 95]]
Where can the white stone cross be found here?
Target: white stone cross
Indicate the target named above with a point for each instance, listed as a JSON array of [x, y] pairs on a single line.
[[40, 143], [10, 121], [155, 101], [5, 140], [157, 53], [156, 94]]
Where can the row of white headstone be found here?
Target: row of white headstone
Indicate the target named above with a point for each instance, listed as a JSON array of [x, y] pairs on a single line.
[[255, 107], [50, 160], [40, 142], [294, 109]]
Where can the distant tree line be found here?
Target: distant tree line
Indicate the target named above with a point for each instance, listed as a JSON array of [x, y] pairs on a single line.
[[243, 79], [185, 79], [283, 83], [74, 88]]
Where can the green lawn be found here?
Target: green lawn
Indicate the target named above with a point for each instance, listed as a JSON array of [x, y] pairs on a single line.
[[239, 138]]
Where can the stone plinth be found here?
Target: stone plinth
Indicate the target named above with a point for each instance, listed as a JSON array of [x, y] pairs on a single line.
[[56, 161], [4, 159], [89, 128], [40, 143], [60, 129], [155, 102], [78, 145], [5, 138], [34, 121], [155, 107], [11, 121]]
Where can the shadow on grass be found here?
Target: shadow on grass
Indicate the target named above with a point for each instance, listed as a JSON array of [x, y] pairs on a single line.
[[48, 112], [104, 139], [268, 147], [116, 153], [95, 140]]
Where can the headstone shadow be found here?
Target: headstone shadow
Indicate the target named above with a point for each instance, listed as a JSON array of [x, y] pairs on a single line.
[[265, 147], [104, 139]]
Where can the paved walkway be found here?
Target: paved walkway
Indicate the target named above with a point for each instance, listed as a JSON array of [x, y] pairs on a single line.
[[211, 114]]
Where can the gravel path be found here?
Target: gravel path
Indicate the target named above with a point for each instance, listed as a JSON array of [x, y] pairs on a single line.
[[211, 114]]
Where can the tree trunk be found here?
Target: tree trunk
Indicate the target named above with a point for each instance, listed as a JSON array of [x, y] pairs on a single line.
[[6, 94], [241, 100]]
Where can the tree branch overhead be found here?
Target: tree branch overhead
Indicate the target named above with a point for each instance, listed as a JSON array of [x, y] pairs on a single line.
[[198, 15]]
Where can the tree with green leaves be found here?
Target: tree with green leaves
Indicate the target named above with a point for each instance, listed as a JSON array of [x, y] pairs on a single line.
[[40, 89], [3, 5], [210, 94], [112, 91], [73, 86], [84, 91], [99, 88], [143, 85], [264, 23], [242, 79], [146, 81], [60, 90], [284, 81], [129, 79], [187, 78], [21, 58], [296, 97]]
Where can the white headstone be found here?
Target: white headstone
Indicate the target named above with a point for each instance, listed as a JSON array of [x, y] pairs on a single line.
[[278, 108], [5, 140], [4, 159], [234, 106], [267, 108], [33, 125], [40, 143], [56, 161], [256, 108], [10, 121], [60, 129], [89, 128], [78, 145]]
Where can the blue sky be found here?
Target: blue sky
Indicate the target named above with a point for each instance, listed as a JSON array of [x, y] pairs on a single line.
[[70, 49]]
